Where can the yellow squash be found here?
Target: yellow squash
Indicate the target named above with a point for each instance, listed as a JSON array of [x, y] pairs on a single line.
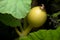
[[37, 16]]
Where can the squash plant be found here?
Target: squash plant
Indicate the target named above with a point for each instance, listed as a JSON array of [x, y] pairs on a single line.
[[13, 11]]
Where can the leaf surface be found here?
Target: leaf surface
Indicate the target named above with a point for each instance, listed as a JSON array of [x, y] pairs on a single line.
[[10, 20], [44, 35], [17, 8]]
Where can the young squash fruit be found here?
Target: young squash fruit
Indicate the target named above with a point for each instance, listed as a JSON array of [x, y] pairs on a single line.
[[37, 16]]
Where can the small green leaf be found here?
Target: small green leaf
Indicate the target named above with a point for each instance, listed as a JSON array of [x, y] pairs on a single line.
[[17, 8], [56, 14]]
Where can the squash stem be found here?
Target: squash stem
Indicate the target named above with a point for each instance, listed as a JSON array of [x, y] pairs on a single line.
[[27, 30], [42, 7]]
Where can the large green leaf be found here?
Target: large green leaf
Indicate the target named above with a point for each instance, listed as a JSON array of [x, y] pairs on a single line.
[[9, 20], [43, 35], [17, 8]]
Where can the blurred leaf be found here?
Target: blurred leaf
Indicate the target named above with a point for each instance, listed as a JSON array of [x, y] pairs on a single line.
[[17, 8], [56, 14], [44, 35], [57, 1], [54, 5], [9, 20], [33, 36], [23, 38], [58, 20]]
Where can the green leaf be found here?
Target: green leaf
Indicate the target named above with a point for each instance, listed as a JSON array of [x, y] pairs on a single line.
[[33, 36], [17, 8], [10, 20], [56, 14], [23, 38], [44, 35]]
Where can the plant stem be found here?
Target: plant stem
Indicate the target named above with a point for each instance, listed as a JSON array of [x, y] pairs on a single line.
[[18, 32], [27, 30]]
